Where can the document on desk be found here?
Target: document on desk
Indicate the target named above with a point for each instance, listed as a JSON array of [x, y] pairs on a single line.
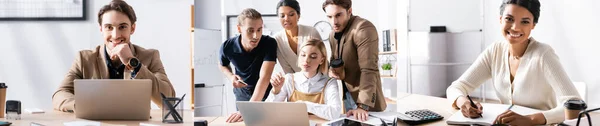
[[82, 123], [34, 110], [386, 116], [490, 112]]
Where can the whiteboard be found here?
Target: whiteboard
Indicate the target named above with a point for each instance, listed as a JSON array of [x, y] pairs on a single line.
[[207, 43], [42, 9], [208, 101], [456, 15]]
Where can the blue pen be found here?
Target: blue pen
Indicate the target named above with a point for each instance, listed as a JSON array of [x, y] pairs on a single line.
[[511, 105]]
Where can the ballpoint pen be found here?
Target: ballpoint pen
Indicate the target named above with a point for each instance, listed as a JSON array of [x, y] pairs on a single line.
[[498, 122], [473, 105]]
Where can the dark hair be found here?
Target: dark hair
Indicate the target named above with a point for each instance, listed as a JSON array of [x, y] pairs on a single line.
[[532, 6], [120, 6], [290, 3], [346, 4]]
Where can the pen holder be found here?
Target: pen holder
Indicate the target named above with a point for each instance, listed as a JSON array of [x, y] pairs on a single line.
[[172, 110]]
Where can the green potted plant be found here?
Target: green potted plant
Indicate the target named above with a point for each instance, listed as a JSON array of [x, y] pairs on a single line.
[[387, 67]]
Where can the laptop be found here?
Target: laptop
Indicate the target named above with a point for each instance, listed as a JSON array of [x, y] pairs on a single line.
[[113, 99], [273, 113]]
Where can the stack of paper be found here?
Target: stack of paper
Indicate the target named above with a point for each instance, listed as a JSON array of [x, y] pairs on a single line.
[[82, 123]]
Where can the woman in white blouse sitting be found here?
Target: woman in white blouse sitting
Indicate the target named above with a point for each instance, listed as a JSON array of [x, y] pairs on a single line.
[[310, 85], [292, 35], [524, 71]]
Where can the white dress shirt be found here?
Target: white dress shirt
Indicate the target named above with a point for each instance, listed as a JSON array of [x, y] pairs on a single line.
[[332, 107], [540, 81]]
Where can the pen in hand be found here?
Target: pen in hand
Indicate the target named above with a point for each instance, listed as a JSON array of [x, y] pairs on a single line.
[[473, 105], [241, 81], [498, 122]]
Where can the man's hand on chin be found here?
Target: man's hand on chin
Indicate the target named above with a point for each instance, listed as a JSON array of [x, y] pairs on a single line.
[[121, 51]]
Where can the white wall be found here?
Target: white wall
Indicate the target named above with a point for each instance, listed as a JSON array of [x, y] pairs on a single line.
[[460, 45], [463, 15], [37, 54], [206, 14]]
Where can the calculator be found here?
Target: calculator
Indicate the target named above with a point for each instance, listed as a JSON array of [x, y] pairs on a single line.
[[416, 117]]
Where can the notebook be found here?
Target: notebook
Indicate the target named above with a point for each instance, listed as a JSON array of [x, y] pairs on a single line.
[[490, 112]]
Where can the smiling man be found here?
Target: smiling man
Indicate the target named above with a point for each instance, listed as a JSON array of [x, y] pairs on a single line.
[[117, 58]]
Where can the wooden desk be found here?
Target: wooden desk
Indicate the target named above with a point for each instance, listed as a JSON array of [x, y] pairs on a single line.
[[405, 102], [436, 104], [439, 105], [220, 121], [56, 118]]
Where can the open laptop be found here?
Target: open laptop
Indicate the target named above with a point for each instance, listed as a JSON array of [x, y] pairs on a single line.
[[273, 113], [113, 99]]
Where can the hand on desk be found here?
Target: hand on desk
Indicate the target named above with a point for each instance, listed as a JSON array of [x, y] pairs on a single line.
[[234, 117], [359, 114], [467, 110], [513, 119]]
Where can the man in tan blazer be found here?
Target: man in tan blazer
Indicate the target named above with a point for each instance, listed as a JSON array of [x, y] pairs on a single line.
[[117, 58], [359, 52]]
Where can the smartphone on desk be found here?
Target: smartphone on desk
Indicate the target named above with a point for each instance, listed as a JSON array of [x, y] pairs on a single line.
[[347, 122], [4, 123]]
